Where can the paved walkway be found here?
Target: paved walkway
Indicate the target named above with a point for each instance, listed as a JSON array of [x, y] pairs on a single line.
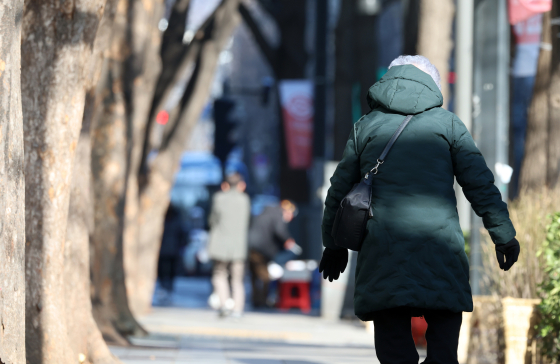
[[199, 336], [189, 333]]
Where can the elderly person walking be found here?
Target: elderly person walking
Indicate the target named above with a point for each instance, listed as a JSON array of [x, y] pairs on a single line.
[[412, 261], [229, 223]]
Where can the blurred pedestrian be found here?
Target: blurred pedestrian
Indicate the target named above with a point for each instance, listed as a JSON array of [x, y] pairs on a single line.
[[270, 242], [412, 261], [227, 247], [173, 240]]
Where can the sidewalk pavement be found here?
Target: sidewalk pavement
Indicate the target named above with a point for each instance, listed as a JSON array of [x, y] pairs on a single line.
[[199, 336], [189, 333]]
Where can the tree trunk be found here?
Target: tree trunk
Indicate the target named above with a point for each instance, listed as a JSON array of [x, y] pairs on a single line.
[[154, 198], [553, 155], [534, 168], [128, 82], [143, 72], [12, 188], [84, 335], [58, 39], [110, 303], [109, 170], [434, 37]]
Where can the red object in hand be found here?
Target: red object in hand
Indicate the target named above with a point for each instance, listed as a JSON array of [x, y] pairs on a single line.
[[162, 117], [419, 327]]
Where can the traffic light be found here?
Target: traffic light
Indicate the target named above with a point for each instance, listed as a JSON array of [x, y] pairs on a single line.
[[225, 124]]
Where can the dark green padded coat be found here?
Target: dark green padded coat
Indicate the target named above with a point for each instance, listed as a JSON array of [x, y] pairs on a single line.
[[413, 253]]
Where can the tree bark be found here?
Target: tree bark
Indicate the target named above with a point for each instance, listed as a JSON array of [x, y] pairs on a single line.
[[12, 188], [176, 56], [534, 168], [57, 44], [553, 154], [141, 78], [110, 167], [154, 198], [84, 335], [434, 37], [109, 299]]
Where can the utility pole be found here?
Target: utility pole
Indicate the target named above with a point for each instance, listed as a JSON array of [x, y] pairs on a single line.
[[463, 88], [490, 106], [464, 107], [503, 95]]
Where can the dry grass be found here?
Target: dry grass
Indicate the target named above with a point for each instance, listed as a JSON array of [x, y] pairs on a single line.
[[529, 216]]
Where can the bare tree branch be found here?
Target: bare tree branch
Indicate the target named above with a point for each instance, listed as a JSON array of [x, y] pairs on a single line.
[[182, 5], [194, 63], [166, 83], [269, 8], [268, 51], [172, 50]]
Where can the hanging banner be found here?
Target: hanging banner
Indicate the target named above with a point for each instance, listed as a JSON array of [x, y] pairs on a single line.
[[527, 46], [520, 10], [296, 98]]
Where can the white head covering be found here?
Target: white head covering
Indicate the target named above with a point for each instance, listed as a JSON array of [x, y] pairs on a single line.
[[422, 63]]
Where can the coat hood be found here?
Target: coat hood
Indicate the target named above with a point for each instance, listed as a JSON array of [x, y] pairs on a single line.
[[406, 90]]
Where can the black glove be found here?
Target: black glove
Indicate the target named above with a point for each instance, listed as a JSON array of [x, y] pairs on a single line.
[[510, 251], [333, 263]]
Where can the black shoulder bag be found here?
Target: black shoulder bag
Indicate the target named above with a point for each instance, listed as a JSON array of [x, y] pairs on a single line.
[[351, 217]]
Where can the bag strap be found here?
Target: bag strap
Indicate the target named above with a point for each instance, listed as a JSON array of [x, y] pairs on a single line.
[[389, 145]]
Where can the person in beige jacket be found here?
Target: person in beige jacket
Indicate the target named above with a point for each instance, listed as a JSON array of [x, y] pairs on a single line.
[[227, 247]]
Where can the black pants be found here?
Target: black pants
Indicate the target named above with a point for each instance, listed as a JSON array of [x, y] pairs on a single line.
[[260, 280], [167, 270], [393, 336]]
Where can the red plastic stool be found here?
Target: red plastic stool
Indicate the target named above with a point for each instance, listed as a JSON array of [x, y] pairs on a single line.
[[419, 327], [294, 294]]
